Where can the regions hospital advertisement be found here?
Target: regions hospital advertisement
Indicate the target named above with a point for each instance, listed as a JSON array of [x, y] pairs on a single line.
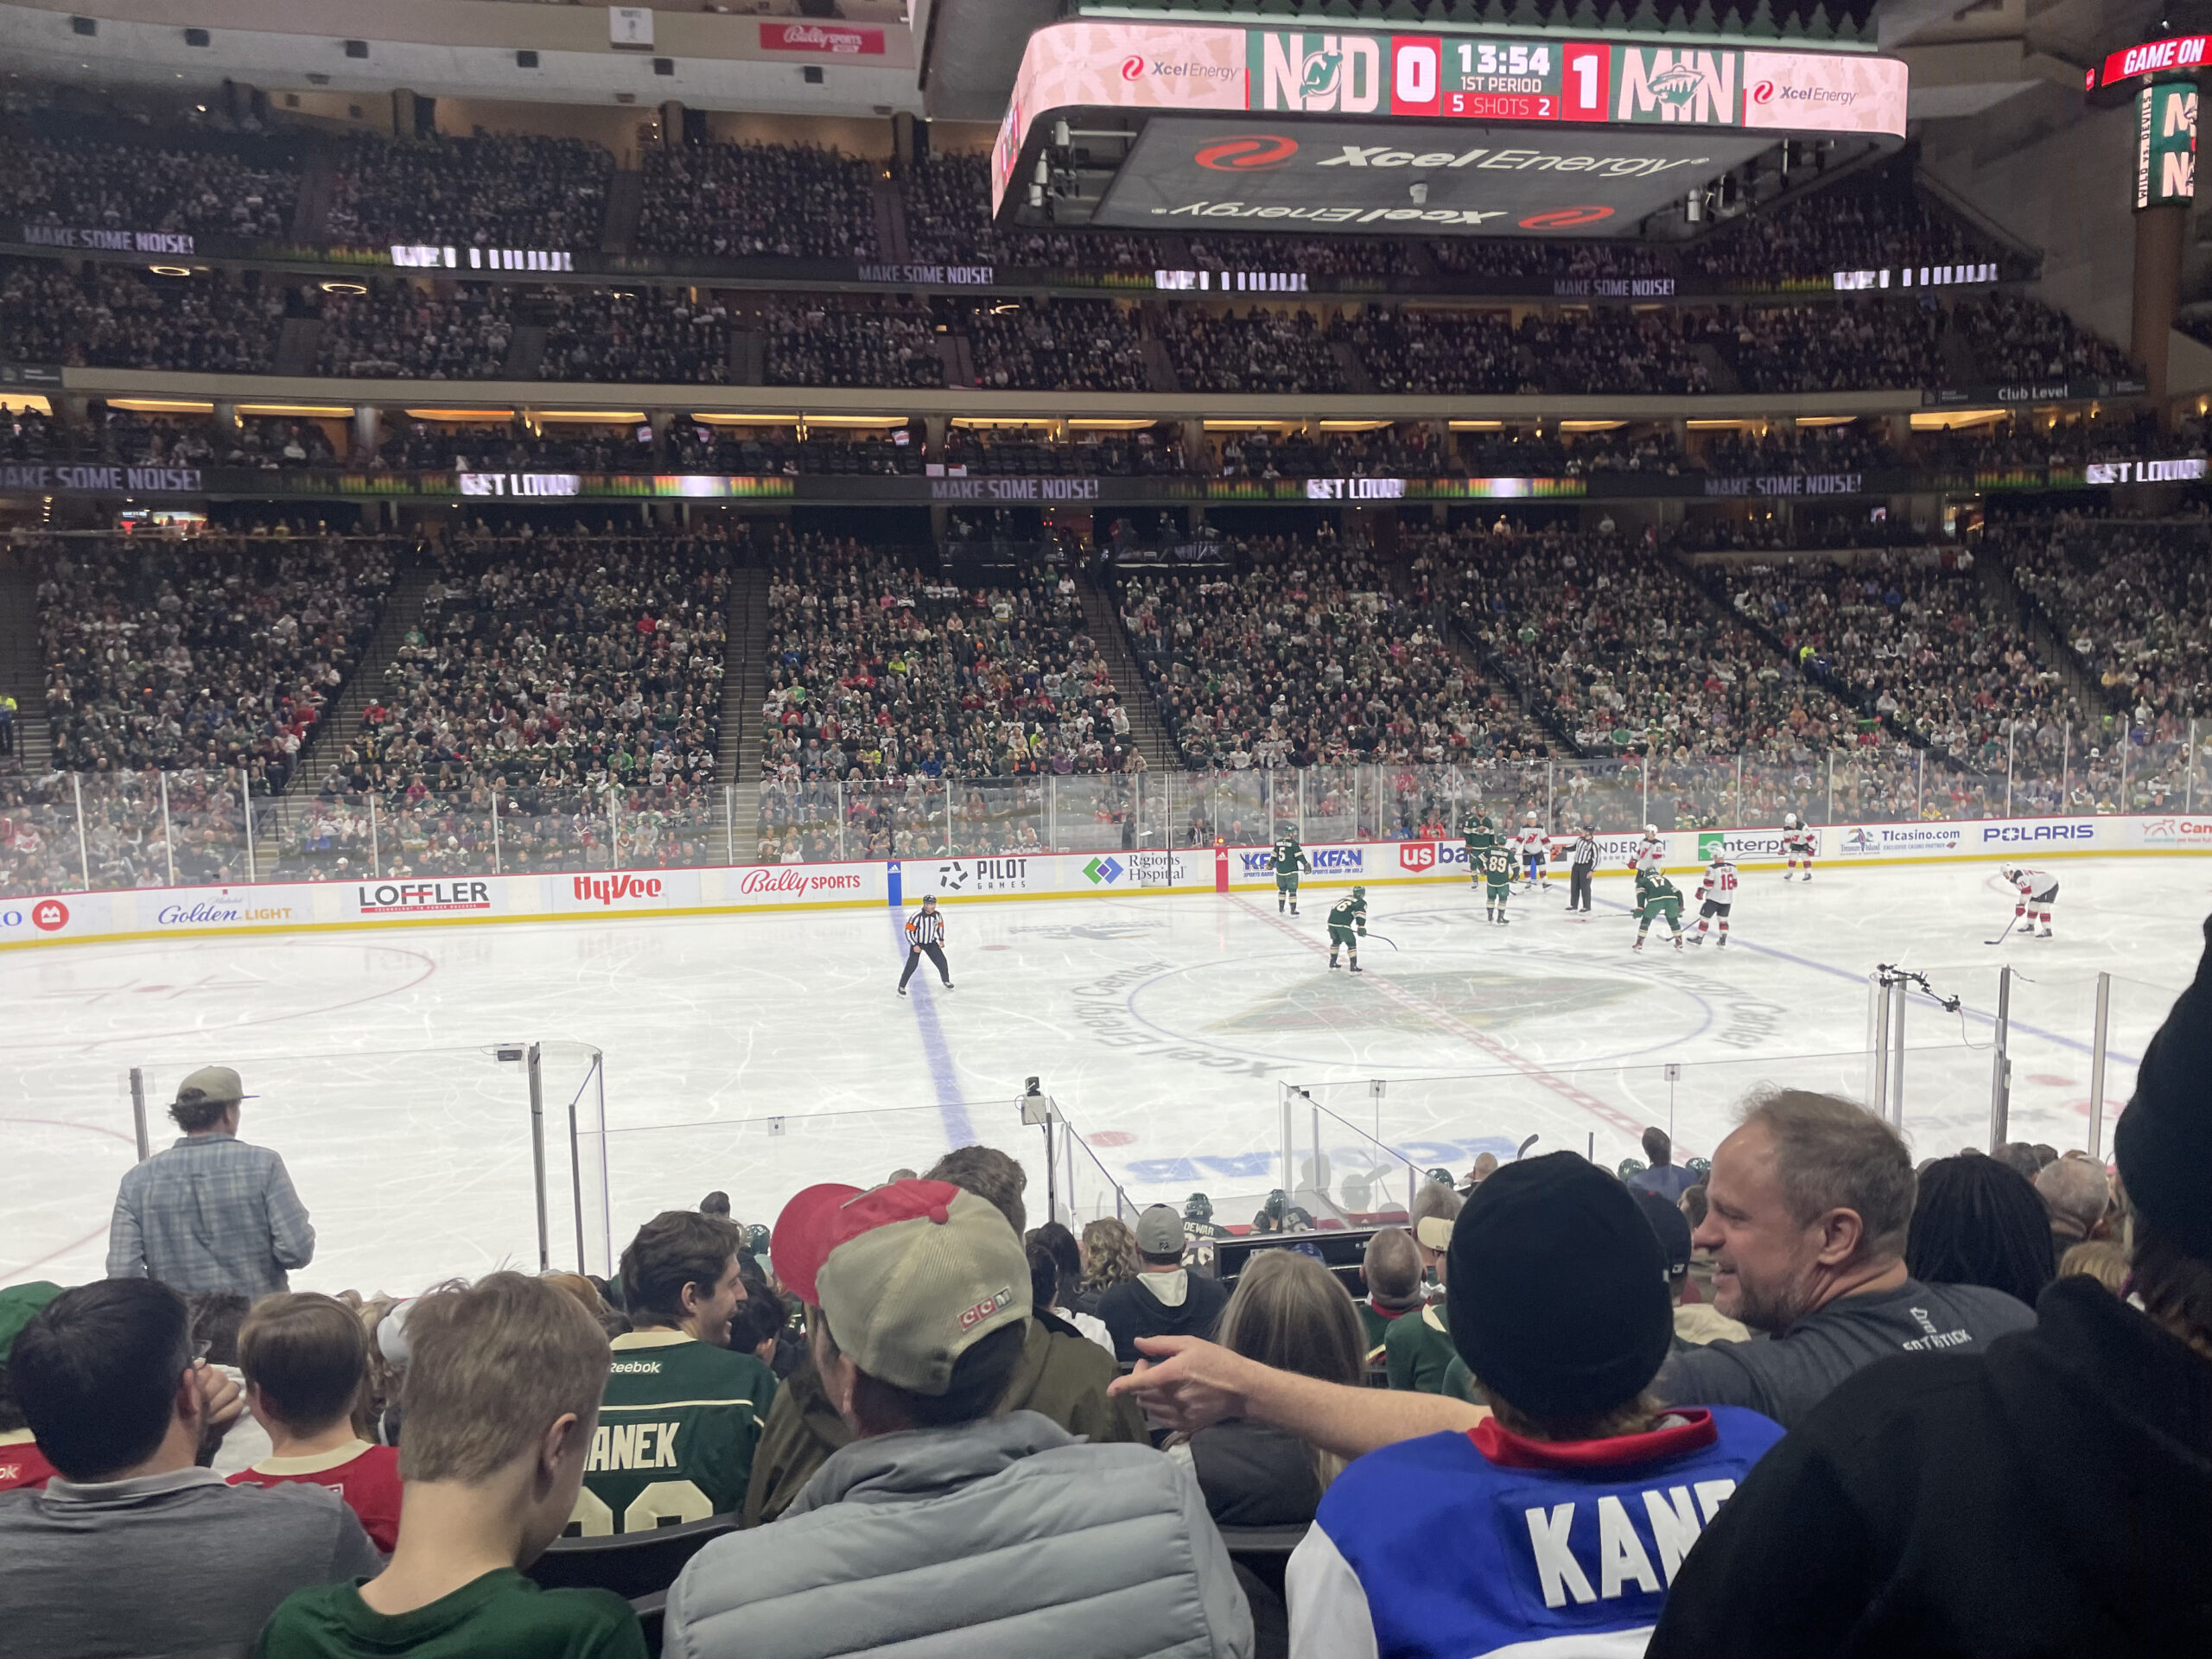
[[151, 913]]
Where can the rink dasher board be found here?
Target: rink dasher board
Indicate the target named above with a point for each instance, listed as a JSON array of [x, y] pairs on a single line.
[[312, 906]]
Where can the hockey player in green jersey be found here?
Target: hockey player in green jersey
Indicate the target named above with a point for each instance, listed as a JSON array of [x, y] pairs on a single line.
[[683, 1410], [1347, 924], [1290, 859], [1656, 896], [1479, 838], [1497, 880]]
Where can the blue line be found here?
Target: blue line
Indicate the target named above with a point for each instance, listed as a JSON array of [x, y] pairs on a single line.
[[958, 1131]]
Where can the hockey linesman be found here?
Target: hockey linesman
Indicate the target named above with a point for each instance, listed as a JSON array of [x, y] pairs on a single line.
[[925, 937], [1582, 859]]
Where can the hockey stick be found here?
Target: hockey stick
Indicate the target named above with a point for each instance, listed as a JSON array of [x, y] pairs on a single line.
[[1386, 939], [2009, 926], [1525, 1147]]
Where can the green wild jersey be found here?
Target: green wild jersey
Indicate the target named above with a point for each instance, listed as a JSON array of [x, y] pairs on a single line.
[[676, 1435], [1290, 858], [1497, 864], [1651, 885], [1348, 912], [1480, 838]]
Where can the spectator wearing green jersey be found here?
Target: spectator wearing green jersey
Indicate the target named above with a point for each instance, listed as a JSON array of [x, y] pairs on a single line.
[[683, 1410], [502, 1385], [1417, 1350]]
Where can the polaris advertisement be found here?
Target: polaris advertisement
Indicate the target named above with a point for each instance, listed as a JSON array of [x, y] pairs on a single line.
[[1469, 180]]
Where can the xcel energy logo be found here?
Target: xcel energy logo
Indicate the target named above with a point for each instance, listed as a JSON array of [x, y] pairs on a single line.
[[1244, 155]]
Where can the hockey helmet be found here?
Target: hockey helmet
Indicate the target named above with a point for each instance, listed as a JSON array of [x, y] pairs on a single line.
[[1198, 1207], [1359, 893], [1651, 828], [1443, 1175], [1629, 1166], [1700, 1168]]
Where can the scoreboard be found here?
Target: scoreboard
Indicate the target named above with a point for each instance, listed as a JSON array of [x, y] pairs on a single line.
[[1745, 99]]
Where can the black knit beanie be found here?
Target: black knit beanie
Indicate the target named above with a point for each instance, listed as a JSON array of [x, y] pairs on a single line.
[[2164, 1142], [1557, 1288]]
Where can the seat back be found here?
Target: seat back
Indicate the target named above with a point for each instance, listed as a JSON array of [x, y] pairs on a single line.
[[630, 1564]]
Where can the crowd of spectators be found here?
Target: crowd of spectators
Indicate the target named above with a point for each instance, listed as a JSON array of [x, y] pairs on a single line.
[[223, 656], [1265, 350], [1056, 345], [821, 343], [1916, 631], [890, 688], [1623, 651], [400, 331], [81, 183], [1425, 351], [411, 445], [1301, 653], [2131, 601], [1510, 256], [1145, 452], [829, 451], [1384, 452], [1848, 447], [504, 189], [2014, 337], [1316, 256], [114, 317], [1841, 346], [573, 678], [744, 201], [648, 334], [1875, 219]]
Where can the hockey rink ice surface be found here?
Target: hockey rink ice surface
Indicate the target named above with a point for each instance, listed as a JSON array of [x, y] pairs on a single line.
[[757, 1054]]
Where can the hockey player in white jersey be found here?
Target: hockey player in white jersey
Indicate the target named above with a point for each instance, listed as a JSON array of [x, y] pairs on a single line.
[[2036, 889], [1534, 848], [1650, 853], [1716, 893], [1796, 843]]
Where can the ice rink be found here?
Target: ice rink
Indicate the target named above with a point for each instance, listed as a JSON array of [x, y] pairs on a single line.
[[759, 1053]]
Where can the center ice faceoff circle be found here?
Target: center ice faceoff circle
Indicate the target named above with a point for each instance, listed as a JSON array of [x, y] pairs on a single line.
[[1450, 1009]]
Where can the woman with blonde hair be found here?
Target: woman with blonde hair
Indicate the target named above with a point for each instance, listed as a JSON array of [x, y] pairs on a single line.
[[1288, 1312], [1109, 1258]]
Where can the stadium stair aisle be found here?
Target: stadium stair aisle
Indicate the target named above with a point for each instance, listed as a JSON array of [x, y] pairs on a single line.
[[22, 674], [341, 720], [1104, 623], [2030, 617], [297, 343], [625, 205], [745, 688]]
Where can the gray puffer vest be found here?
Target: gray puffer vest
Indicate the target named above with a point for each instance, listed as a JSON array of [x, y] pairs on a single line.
[[1005, 1539]]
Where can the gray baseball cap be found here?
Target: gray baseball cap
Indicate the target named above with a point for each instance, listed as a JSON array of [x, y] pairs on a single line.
[[1159, 1231]]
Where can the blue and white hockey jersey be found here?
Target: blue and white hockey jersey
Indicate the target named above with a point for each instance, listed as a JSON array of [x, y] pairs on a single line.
[[1456, 1546]]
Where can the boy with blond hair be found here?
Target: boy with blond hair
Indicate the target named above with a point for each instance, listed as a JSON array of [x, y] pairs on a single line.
[[304, 1358], [501, 1400]]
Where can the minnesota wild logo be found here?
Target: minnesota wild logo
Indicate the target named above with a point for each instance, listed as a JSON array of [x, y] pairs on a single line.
[[1484, 999], [1318, 74], [1678, 88]]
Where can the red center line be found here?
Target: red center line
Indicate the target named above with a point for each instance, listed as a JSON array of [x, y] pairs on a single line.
[[1565, 1088]]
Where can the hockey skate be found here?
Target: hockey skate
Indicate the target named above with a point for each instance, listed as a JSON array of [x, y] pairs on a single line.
[[1333, 964], [2044, 934], [1357, 968], [1678, 941], [902, 990], [1639, 945], [1723, 945], [1697, 938]]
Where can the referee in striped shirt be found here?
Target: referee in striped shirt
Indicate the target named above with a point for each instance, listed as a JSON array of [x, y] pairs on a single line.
[[925, 937]]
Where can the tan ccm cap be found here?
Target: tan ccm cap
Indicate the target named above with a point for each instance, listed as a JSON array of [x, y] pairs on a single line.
[[211, 1082], [910, 1275]]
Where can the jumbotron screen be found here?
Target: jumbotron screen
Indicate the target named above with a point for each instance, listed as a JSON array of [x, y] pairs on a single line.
[[1185, 173], [1139, 126]]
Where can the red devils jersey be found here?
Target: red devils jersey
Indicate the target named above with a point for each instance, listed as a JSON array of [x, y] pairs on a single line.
[[1720, 883]]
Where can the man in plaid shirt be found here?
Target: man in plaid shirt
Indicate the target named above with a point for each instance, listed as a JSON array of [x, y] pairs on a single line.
[[210, 1213]]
